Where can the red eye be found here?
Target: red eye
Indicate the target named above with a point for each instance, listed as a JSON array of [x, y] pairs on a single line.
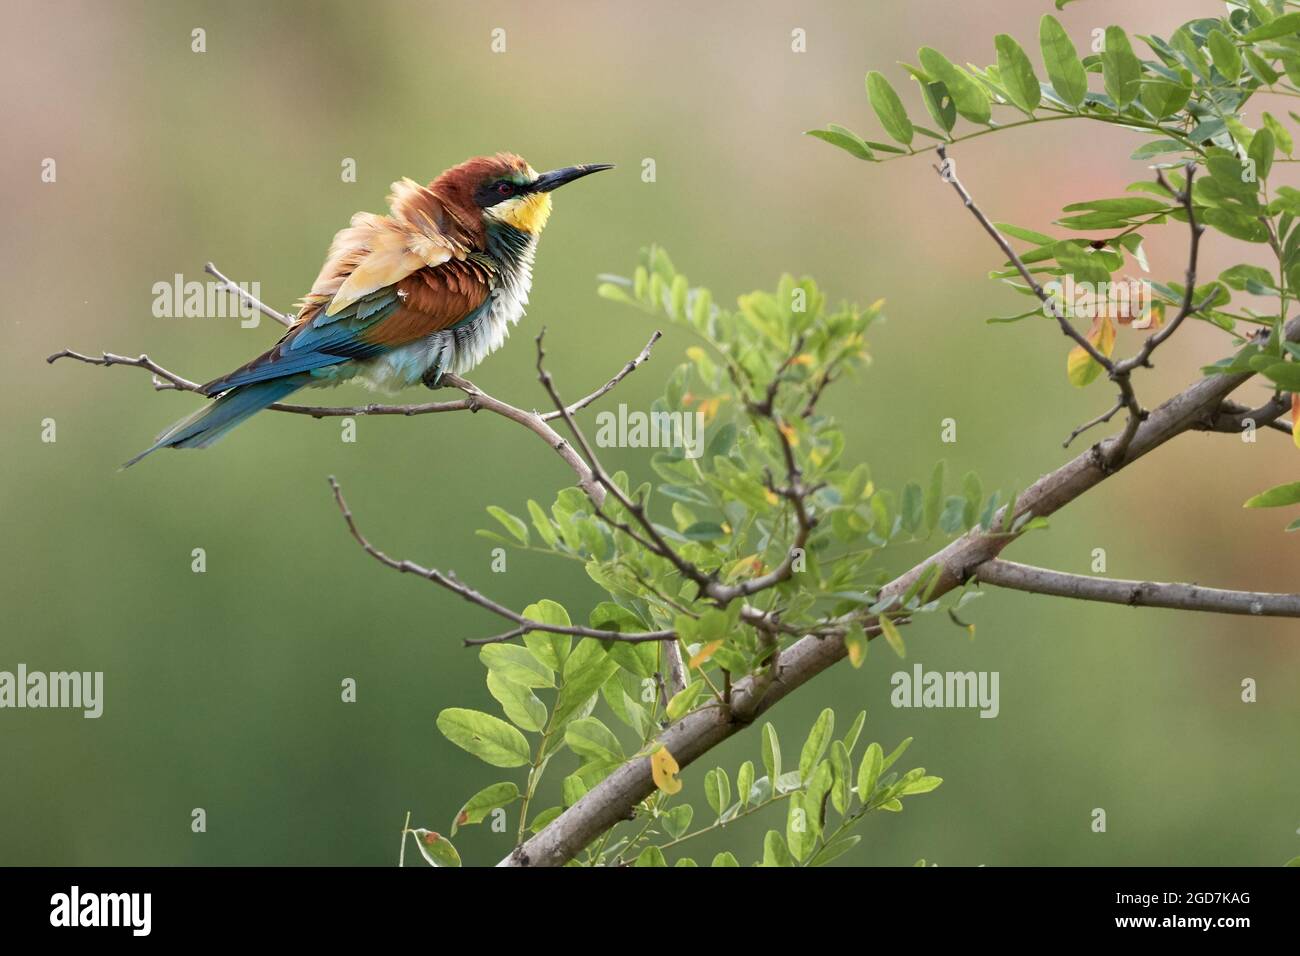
[[505, 189]]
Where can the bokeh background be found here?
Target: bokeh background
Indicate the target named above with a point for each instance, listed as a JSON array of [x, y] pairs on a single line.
[[223, 688]]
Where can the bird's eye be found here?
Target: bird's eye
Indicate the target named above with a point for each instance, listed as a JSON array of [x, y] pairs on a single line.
[[505, 189]]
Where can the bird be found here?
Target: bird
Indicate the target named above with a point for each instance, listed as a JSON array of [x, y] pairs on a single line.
[[402, 299]]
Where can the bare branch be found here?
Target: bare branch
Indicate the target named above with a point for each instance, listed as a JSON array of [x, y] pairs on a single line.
[[1186, 597], [475, 399], [1053, 307], [1099, 420], [163, 379], [1231, 417], [452, 584], [247, 297]]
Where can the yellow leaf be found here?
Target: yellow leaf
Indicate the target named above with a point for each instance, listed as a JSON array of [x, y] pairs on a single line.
[[855, 642], [705, 652], [1080, 367], [803, 359], [663, 768], [1295, 418], [790, 434], [890, 632], [771, 497]]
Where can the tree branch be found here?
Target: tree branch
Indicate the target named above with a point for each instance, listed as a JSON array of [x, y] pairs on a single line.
[[476, 398], [1121, 372], [1186, 597], [452, 584], [1230, 417], [699, 731]]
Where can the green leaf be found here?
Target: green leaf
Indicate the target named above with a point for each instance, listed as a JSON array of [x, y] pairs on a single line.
[[1276, 497], [1017, 74], [895, 754], [1120, 67], [744, 782], [1234, 224], [1250, 278], [1028, 235], [1280, 134], [800, 828], [435, 848], [490, 798], [842, 779], [717, 790], [968, 96], [651, 856], [573, 789], [544, 818], [771, 752], [548, 647], [855, 729], [489, 738], [508, 521], [1286, 374], [921, 784], [1282, 26], [517, 664], [889, 631], [869, 772], [682, 701], [775, 852], [584, 671], [1260, 68], [1161, 99], [1226, 56], [889, 108], [1064, 68], [1124, 206], [1157, 147], [591, 739], [1261, 152], [819, 739], [677, 820], [835, 849], [519, 703], [851, 143], [542, 523], [725, 858]]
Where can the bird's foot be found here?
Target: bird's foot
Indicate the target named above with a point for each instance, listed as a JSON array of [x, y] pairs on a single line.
[[433, 378]]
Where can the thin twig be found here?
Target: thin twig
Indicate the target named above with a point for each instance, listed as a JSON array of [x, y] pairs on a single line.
[[1185, 597], [452, 584], [945, 171], [229, 286]]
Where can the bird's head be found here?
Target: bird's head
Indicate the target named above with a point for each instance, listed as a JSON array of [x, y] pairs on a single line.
[[505, 189]]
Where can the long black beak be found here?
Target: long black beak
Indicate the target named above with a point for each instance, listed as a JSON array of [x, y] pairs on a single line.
[[558, 177]]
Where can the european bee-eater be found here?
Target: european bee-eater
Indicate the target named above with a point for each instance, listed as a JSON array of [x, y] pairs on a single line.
[[404, 298]]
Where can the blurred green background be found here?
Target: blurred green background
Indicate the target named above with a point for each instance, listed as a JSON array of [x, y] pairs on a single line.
[[223, 688]]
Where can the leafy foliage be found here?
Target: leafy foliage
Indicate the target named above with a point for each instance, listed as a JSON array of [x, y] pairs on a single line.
[[755, 379], [1193, 94]]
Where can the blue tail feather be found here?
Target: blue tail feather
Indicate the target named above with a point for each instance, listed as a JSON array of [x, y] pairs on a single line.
[[213, 421]]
